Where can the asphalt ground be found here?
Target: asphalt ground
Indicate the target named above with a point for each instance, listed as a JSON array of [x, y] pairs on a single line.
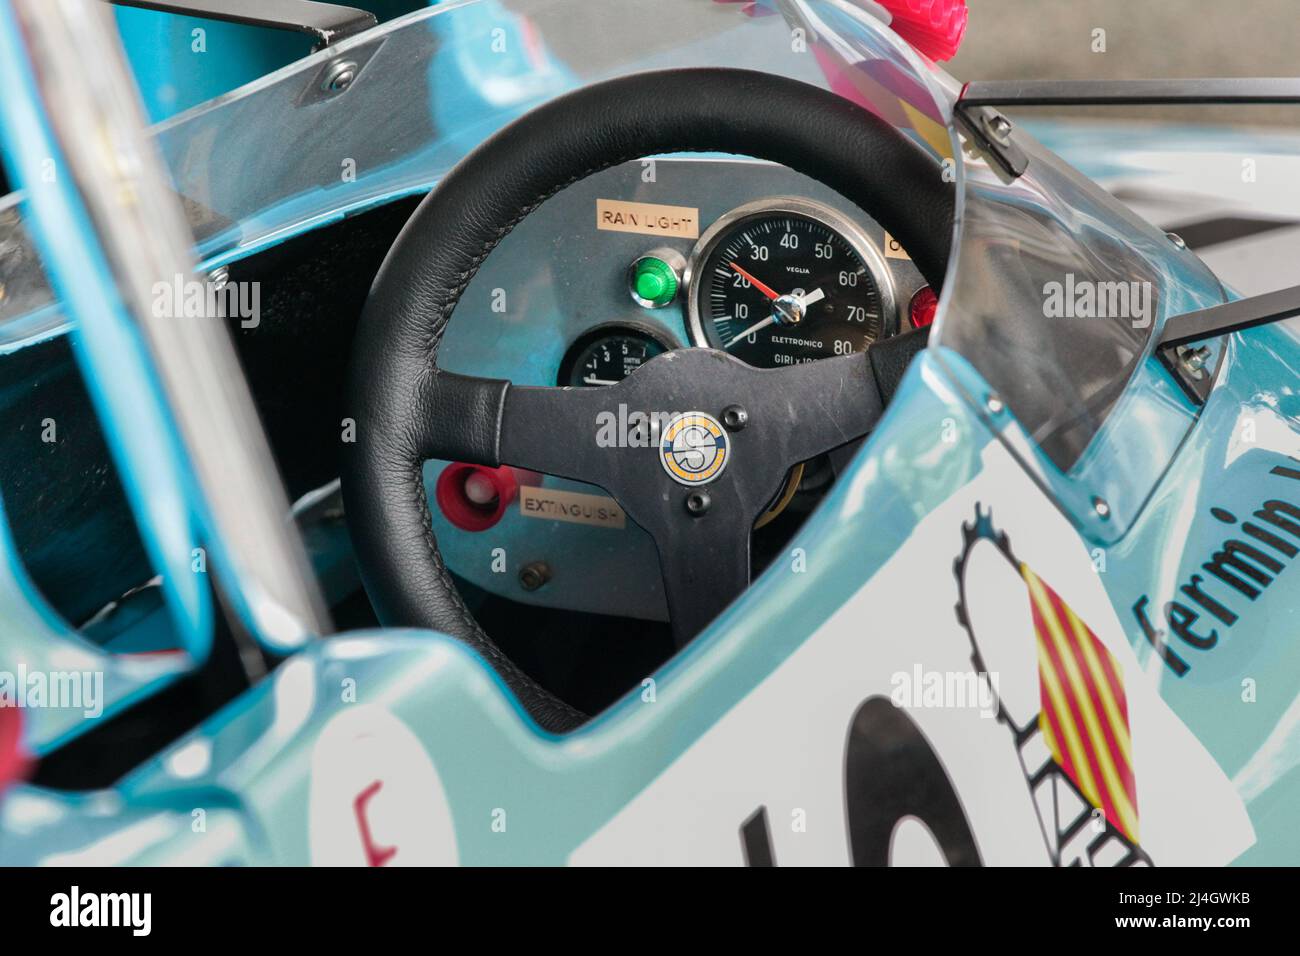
[[1055, 39], [1014, 39], [1035, 39]]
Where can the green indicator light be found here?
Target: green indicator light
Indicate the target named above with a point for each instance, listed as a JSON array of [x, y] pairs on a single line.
[[654, 282]]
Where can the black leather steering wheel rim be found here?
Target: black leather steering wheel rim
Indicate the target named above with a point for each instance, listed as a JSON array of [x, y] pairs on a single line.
[[391, 391]]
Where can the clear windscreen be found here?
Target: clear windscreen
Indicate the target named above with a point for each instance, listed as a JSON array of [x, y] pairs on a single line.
[[1055, 297], [430, 87]]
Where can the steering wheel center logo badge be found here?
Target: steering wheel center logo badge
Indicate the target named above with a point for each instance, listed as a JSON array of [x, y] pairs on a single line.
[[694, 448]]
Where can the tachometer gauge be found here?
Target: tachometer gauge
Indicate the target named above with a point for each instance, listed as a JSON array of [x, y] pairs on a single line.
[[609, 354], [784, 281]]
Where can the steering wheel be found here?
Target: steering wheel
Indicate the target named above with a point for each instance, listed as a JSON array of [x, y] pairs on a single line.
[[713, 468]]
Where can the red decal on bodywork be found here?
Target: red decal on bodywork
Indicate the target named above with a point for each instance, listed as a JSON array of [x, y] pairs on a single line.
[[375, 855]]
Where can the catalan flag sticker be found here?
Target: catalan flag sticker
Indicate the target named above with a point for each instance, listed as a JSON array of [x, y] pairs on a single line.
[[1084, 718]]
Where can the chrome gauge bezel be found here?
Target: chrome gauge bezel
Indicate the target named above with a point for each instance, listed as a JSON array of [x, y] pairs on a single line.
[[827, 216]]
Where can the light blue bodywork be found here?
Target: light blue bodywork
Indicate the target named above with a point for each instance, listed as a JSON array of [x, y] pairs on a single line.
[[247, 767], [125, 391]]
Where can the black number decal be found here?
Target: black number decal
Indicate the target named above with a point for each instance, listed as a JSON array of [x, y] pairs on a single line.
[[891, 772]]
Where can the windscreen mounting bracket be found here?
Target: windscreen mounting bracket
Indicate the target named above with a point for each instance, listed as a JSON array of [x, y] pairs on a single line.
[[993, 132], [1175, 347], [326, 22]]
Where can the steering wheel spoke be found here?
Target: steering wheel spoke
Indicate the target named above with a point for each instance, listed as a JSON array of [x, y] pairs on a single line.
[[562, 432], [703, 539], [693, 446], [822, 405], [457, 417]]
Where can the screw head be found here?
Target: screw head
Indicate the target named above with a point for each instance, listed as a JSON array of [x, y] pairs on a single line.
[[1194, 360], [994, 404], [534, 574], [339, 76], [1101, 506], [218, 278], [1176, 239], [735, 417], [999, 128], [697, 502]]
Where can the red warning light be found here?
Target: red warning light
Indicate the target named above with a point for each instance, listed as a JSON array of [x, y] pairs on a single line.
[[924, 305]]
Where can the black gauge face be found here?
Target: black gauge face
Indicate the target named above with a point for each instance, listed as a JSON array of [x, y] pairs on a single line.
[[777, 288], [607, 356]]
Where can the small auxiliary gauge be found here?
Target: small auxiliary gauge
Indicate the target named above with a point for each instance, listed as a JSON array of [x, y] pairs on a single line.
[[610, 353]]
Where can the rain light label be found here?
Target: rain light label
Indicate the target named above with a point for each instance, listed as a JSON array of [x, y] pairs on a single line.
[[682, 222]]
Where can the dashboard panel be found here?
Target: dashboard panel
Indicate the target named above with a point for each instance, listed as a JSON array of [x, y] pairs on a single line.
[[645, 257]]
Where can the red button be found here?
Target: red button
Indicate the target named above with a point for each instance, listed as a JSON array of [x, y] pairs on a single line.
[[924, 305], [474, 497]]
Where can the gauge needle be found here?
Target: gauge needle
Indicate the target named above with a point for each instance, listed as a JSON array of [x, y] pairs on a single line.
[[804, 300], [751, 330], [592, 380], [765, 289]]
